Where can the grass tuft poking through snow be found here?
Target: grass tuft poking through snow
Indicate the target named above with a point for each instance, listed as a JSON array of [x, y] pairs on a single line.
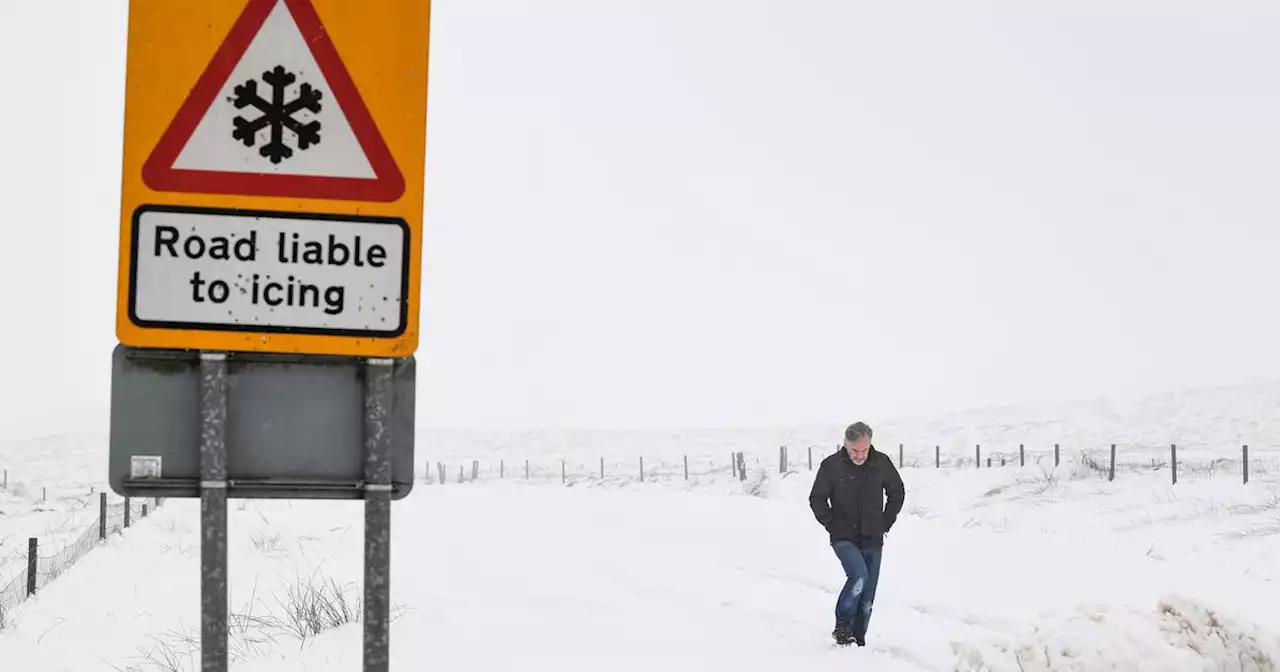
[[315, 606], [1179, 634], [170, 653], [758, 484], [310, 606]]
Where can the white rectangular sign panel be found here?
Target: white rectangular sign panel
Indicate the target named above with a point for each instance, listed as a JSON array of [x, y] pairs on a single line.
[[214, 269]]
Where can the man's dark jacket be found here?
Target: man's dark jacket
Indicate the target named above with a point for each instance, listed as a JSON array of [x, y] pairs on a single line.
[[857, 503]]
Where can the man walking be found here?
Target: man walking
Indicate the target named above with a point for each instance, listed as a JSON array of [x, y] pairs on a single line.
[[856, 496]]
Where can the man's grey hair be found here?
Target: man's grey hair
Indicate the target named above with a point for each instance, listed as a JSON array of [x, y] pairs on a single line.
[[856, 431]]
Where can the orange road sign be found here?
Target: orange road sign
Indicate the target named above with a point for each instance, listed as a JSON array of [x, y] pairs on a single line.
[[272, 192]]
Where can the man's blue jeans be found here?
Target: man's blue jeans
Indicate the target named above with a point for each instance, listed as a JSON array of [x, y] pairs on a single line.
[[862, 569]]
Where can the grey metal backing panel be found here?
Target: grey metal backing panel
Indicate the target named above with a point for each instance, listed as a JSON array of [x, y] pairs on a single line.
[[295, 424]]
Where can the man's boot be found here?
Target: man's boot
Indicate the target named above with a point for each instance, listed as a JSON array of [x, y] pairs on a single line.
[[843, 633]]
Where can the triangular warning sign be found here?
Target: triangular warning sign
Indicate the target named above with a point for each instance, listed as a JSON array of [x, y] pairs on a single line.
[[275, 114]]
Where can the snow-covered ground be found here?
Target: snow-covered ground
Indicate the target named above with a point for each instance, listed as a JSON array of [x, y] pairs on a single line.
[[48, 490], [988, 570], [1009, 568]]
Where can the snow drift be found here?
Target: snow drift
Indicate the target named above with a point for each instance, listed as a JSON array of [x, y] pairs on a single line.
[[1179, 634]]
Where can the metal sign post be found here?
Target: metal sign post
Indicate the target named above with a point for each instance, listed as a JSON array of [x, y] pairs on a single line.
[[377, 516], [213, 512]]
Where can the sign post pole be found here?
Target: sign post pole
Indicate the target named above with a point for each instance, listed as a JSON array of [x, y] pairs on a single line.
[[213, 512], [377, 515]]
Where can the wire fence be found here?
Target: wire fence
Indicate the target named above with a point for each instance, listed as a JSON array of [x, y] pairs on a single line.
[[1109, 463], [39, 566], [571, 471], [12, 593], [10, 485]]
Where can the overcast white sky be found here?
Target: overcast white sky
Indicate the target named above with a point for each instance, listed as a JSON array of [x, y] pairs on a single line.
[[668, 213]]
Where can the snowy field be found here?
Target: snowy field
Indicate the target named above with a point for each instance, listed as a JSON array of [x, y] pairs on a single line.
[[1008, 568], [48, 490], [988, 570]]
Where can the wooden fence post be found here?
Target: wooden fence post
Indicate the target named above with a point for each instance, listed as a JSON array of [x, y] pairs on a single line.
[[977, 456], [502, 469], [1111, 471], [475, 469], [900, 455], [742, 467], [1245, 454], [937, 457], [1055, 454], [782, 459], [602, 468], [1173, 455], [33, 564], [1022, 455], [102, 515], [526, 470], [642, 468], [810, 458], [127, 511], [686, 467], [733, 463], [564, 474]]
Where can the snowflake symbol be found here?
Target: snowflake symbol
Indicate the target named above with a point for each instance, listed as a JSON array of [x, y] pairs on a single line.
[[277, 114]]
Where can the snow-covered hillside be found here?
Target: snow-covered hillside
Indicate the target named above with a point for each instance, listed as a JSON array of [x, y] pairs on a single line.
[[1208, 426], [1212, 418]]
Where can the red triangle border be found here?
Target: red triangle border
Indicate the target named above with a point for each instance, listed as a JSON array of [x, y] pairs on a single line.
[[159, 174]]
